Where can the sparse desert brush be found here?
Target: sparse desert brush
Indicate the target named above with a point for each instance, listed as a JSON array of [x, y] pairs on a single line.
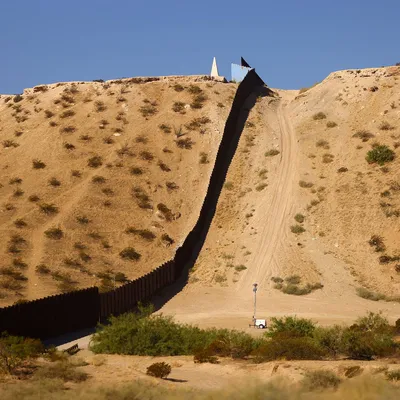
[[203, 158], [129, 253], [297, 229], [385, 126], [322, 143], [198, 101], [99, 106], [54, 182], [9, 143], [228, 185], [165, 128], [54, 233], [240, 267], [171, 186], [369, 295], [42, 269], [68, 146], [364, 135], [331, 124], [305, 184], [261, 186], [48, 209], [94, 235], [145, 234], [393, 375], [146, 155], [68, 129], [185, 143], [342, 170], [149, 108], [53, 123], [33, 198], [272, 152], [299, 218], [166, 212], [143, 200], [178, 106], [320, 379], [20, 133], [167, 240], [136, 171], [48, 113], [75, 173], [95, 162], [178, 87], [18, 192], [197, 123], [380, 154], [85, 138], [67, 114], [327, 158], [164, 167], [194, 89], [141, 139], [318, 116], [82, 219], [61, 370], [98, 179], [377, 242], [20, 223]]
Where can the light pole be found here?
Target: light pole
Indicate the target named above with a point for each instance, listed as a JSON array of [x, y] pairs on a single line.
[[255, 299]]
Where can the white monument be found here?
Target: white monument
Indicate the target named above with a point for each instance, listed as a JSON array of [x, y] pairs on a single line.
[[214, 69]]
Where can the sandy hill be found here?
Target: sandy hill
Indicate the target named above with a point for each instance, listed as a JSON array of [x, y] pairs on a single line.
[[303, 211], [102, 180]]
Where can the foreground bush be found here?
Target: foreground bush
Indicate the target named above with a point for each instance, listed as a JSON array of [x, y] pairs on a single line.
[[158, 335], [380, 155], [16, 350], [61, 370], [321, 379]]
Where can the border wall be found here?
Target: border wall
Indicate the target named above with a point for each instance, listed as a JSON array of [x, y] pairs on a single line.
[[64, 313]]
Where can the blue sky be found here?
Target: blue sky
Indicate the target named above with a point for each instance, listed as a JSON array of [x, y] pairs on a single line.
[[291, 43]]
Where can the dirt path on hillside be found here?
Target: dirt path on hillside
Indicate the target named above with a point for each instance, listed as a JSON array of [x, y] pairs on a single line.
[[270, 220]]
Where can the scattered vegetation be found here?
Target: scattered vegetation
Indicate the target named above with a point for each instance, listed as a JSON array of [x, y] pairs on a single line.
[[272, 152], [380, 154], [54, 233], [178, 106], [38, 164], [331, 124], [129, 253], [299, 218], [159, 370], [318, 116], [305, 184], [48, 209], [297, 229], [95, 162], [385, 126], [323, 143]]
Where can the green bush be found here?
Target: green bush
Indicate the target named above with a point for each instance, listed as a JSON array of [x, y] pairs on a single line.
[[202, 356], [61, 370], [158, 335], [330, 338], [380, 154], [16, 350], [159, 370], [292, 326], [393, 375]]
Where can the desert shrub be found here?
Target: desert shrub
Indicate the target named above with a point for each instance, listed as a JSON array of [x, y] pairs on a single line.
[[322, 143], [331, 124], [54, 182], [276, 279], [82, 219], [164, 167], [330, 338], [99, 106], [198, 101], [178, 106], [293, 279], [204, 158], [385, 126], [171, 186], [146, 155], [42, 269], [261, 186], [240, 267], [293, 289], [299, 218], [9, 143], [68, 129], [319, 115], [18, 192], [380, 154], [15, 181], [16, 350], [342, 169], [377, 242], [48, 113], [54, 233], [20, 223], [98, 179], [62, 370], [364, 135], [108, 140], [228, 185], [85, 138], [206, 355], [129, 253], [95, 162], [68, 146], [291, 327], [320, 379], [194, 89], [159, 370], [143, 200], [19, 263], [148, 109], [305, 184], [53, 123], [38, 164], [185, 143], [48, 209], [141, 139], [297, 229], [272, 152], [120, 277], [165, 128], [393, 375], [67, 114], [75, 173], [196, 123], [167, 213]]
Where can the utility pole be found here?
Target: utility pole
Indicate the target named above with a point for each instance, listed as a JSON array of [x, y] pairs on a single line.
[[255, 299]]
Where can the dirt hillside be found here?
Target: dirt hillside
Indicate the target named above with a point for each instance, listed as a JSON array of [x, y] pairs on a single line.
[[303, 213], [101, 181]]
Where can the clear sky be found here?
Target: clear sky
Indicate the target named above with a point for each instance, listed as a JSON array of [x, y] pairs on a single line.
[[291, 43]]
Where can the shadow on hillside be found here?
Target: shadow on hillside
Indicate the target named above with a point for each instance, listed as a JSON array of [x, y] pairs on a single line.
[[196, 238]]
